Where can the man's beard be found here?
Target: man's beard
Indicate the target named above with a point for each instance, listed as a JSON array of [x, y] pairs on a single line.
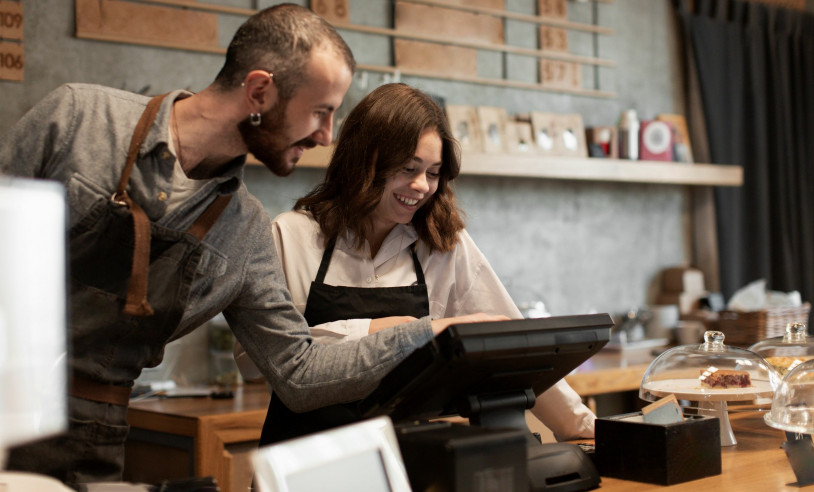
[[268, 140]]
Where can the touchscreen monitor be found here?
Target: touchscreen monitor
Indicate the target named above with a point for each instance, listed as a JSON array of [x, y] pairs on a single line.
[[468, 363]]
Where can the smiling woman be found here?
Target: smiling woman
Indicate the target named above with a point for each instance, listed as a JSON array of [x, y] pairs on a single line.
[[381, 241]]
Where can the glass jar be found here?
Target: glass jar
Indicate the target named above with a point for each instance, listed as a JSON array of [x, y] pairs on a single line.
[[786, 352], [793, 402]]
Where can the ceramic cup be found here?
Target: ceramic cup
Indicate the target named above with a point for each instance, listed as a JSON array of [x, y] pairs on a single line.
[[663, 320], [689, 332]]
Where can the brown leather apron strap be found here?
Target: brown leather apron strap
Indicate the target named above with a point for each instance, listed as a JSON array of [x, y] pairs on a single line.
[[209, 217], [88, 389], [136, 304]]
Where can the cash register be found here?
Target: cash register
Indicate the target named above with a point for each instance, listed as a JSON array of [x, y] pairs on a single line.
[[490, 373]]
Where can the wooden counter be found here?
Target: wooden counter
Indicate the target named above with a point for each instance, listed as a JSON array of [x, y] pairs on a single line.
[[611, 371], [177, 438], [184, 437]]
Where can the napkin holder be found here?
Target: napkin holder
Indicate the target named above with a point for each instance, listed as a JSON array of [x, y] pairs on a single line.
[[664, 454]]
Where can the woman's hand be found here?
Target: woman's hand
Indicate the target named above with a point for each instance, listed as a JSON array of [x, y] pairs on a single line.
[[439, 325], [379, 324]]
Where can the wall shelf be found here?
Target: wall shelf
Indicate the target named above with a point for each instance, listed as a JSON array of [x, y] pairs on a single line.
[[573, 168]]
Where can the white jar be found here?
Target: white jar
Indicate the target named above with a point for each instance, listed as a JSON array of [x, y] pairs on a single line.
[[629, 135]]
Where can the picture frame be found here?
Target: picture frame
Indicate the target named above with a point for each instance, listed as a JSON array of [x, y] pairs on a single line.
[[493, 128], [569, 133], [542, 126], [606, 138], [682, 147], [520, 137], [463, 120]]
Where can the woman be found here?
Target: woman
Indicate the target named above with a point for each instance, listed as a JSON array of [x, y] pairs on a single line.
[[381, 241]]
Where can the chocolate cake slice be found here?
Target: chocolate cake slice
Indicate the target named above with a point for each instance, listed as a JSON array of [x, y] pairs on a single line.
[[725, 378]]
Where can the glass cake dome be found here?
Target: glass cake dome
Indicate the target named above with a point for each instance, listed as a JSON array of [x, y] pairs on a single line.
[[793, 402], [708, 375], [786, 352], [708, 371]]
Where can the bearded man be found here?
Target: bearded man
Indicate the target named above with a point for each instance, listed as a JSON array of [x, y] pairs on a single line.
[[164, 235]]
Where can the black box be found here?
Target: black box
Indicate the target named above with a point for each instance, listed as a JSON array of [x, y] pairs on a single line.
[[442, 456], [664, 454]]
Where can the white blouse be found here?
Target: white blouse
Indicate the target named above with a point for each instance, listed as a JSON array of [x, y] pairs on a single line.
[[459, 282]]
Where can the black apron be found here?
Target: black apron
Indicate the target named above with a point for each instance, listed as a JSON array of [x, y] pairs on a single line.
[[328, 303], [118, 326]]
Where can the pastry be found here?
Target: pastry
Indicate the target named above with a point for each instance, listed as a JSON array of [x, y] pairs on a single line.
[[725, 378], [784, 364]]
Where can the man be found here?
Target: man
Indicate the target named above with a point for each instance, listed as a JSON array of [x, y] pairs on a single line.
[[164, 235]]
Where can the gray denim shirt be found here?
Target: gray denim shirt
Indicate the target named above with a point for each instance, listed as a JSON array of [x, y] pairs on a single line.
[[79, 135]]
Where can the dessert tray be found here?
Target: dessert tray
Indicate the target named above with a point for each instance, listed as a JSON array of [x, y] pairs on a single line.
[[696, 375]]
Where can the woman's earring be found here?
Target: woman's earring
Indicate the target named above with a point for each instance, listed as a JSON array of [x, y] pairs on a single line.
[[254, 119]]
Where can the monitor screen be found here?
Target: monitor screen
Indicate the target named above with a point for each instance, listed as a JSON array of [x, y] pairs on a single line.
[[363, 456], [490, 359], [33, 319]]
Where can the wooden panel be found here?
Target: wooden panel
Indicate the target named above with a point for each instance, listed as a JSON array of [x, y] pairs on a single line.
[[149, 462], [438, 58], [555, 74], [11, 20], [507, 14], [332, 10], [12, 62], [128, 22], [552, 8], [486, 4], [554, 39], [452, 23]]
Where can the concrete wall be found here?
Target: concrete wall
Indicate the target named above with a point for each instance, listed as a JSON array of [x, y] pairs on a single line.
[[577, 246]]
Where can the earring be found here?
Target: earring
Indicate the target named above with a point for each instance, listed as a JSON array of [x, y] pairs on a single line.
[[254, 119]]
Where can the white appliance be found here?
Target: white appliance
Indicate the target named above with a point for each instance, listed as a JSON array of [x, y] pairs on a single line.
[[33, 320]]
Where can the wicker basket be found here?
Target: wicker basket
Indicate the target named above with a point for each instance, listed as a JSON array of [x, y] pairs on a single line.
[[743, 328]]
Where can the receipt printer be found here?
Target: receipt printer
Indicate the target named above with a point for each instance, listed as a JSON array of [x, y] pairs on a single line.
[[442, 456]]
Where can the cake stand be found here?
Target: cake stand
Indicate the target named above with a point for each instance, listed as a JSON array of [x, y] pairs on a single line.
[[710, 401]]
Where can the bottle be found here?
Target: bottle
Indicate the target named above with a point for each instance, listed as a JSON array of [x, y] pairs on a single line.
[[629, 135]]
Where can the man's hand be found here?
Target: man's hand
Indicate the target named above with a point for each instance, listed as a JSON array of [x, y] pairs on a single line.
[[379, 324], [439, 325]]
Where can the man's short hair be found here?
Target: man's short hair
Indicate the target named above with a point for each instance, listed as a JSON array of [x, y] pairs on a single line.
[[280, 39]]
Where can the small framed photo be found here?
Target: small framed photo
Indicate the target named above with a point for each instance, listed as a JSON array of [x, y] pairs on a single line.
[[463, 120], [519, 137], [569, 135], [603, 140], [493, 128], [682, 149], [542, 127]]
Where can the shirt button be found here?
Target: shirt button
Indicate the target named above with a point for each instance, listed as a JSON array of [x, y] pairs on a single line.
[[369, 280], [162, 197]]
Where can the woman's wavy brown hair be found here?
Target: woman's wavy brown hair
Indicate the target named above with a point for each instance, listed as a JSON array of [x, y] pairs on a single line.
[[378, 138]]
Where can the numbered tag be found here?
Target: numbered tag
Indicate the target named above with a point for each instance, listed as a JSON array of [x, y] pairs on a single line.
[[553, 39], [11, 61], [11, 20], [557, 74], [332, 10], [552, 8]]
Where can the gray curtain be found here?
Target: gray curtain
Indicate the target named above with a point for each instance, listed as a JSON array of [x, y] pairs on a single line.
[[752, 69]]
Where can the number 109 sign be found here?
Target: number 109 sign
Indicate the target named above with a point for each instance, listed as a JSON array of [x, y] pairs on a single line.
[[12, 60]]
